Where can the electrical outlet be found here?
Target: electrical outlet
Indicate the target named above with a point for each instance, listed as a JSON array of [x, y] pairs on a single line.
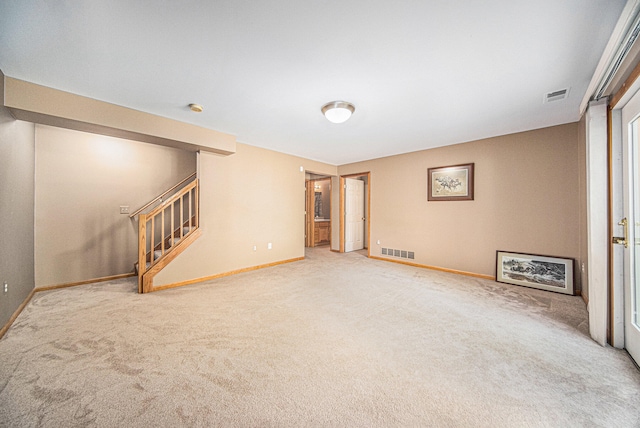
[[6, 287], [378, 242], [255, 248], [269, 246], [124, 209]]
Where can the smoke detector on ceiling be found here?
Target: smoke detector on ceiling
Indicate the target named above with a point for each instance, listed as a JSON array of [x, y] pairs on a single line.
[[197, 108], [558, 95]]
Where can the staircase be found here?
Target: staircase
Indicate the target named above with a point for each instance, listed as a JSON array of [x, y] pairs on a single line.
[[167, 225]]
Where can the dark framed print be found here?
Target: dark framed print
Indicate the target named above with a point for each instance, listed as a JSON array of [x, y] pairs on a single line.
[[535, 271], [450, 183]]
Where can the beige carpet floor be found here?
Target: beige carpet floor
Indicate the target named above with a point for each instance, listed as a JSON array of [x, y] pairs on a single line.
[[334, 340]]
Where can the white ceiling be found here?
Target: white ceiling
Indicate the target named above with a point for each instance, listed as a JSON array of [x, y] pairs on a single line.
[[421, 73]]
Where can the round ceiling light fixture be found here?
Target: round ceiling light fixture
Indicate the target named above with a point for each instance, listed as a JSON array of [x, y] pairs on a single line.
[[338, 111], [196, 108]]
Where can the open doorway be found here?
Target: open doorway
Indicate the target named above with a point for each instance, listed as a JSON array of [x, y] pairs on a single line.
[[318, 211], [355, 224]]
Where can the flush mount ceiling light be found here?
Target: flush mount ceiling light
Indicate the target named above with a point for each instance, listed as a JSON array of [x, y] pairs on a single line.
[[338, 111], [196, 108]]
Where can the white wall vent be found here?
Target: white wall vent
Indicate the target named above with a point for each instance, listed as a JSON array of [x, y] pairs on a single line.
[[556, 95]]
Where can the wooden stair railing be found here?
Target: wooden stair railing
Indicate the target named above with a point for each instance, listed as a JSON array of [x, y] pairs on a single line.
[[162, 195], [166, 231]]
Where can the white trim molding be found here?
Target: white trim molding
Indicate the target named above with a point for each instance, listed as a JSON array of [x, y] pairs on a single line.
[[597, 219]]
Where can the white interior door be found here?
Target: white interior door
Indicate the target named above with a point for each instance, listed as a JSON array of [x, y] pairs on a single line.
[[631, 224], [354, 215]]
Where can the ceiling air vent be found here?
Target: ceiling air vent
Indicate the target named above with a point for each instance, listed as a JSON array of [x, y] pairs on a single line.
[[556, 95]]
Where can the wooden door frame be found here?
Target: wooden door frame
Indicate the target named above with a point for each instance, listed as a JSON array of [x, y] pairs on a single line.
[[308, 218], [342, 213]]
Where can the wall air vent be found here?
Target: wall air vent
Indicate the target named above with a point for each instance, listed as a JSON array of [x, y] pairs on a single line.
[[556, 95], [398, 253]]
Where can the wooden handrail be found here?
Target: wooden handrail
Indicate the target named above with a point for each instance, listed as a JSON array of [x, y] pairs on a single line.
[[173, 198], [159, 197]]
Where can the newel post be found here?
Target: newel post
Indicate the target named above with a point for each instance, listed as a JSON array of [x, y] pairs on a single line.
[[142, 249]]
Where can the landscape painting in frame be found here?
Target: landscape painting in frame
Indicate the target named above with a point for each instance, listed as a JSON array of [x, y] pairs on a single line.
[[450, 183], [529, 270]]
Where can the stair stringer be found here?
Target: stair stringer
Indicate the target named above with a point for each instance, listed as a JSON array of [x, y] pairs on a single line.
[[147, 277]]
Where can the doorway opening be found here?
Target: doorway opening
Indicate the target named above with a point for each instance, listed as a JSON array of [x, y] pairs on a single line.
[[318, 210]]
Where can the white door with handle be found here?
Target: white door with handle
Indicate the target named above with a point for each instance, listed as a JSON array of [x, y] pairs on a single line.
[[630, 224], [354, 215]]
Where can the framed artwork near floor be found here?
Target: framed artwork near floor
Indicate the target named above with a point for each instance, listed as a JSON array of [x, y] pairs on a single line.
[[535, 271], [450, 183]]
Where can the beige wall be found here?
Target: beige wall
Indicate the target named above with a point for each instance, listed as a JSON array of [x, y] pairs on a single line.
[[252, 197], [526, 200], [81, 181], [16, 212]]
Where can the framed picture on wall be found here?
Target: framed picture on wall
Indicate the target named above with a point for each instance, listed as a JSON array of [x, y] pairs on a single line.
[[530, 270], [450, 183]]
